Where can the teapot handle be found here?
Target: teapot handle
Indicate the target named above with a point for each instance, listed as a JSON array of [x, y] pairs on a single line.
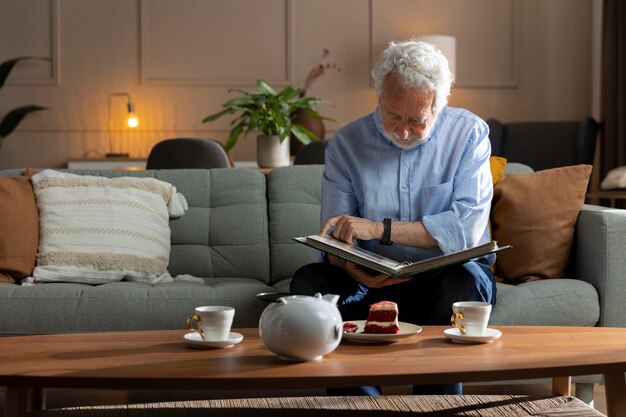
[[338, 330]]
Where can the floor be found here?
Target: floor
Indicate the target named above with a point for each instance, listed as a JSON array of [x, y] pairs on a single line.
[[63, 398]]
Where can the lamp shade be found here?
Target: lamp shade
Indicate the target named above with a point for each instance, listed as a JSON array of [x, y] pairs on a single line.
[[447, 45]]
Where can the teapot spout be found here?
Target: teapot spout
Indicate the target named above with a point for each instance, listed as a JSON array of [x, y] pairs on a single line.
[[331, 298]]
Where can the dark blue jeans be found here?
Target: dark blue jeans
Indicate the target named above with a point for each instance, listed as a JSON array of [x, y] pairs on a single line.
[[424, 300]]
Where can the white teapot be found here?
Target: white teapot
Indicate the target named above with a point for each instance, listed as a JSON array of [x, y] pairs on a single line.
[[301, 327]]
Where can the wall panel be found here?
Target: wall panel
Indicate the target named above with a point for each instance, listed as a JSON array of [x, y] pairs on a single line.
[[30, 28], [195, 45], [516, 60], [484, 31]]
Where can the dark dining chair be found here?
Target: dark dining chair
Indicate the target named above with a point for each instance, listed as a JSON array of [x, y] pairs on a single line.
[[543, 145], [188, 153], [312, 153]]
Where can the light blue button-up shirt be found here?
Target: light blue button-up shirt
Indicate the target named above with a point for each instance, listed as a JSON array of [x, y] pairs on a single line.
[[445, 182]]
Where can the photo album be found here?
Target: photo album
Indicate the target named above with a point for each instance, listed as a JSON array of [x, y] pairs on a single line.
[[390, 267]]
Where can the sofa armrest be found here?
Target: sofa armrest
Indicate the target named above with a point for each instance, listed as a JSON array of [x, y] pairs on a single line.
[[600, 259]]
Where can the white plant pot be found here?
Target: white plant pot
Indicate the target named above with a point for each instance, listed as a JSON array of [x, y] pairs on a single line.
[[270, 153]]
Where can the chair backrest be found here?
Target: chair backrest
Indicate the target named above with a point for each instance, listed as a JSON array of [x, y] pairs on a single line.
[[544, 145], [188, 153], [312, 153]]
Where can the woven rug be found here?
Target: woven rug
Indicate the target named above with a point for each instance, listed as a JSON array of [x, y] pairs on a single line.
[[388, 405]]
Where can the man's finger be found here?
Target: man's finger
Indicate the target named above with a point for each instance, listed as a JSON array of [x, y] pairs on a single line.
[[330, 222]]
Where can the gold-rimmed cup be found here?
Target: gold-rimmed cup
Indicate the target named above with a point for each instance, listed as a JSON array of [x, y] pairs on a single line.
[[213, 323], [471, 317]]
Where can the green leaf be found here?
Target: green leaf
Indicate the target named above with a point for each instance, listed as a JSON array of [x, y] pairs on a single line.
[[303, 134], [281, 132], [253, 122], [289, 93], [245, 93], [311, 101], [265, 88], [7, 66], [14, 117], [217, 115], [233, 136], [240, 101], [268, 112]]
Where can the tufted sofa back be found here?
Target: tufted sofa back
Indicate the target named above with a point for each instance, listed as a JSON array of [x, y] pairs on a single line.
[[225, 231]]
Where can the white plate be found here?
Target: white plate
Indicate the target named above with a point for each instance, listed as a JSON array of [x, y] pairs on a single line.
[[406, 329], [194, 339], [455, 335]]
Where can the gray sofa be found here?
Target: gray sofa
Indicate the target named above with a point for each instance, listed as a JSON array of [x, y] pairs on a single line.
[[237, 234]]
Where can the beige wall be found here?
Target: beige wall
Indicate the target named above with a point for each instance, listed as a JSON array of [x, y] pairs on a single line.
[[516, 60]]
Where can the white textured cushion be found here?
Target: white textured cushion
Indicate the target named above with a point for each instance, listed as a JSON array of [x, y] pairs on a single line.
[[96, 230]]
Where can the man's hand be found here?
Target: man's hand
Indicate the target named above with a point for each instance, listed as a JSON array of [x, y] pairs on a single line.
[[350, 228], [370, 281], [363, 277]]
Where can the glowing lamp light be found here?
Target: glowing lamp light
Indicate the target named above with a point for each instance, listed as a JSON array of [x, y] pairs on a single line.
[[132, 122]]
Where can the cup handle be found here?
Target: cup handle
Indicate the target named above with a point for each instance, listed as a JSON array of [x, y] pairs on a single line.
[[454, 318], [195, 319]]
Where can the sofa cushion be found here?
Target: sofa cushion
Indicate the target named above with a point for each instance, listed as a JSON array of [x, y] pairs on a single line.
[[225, 231], [19, 228], [125, 306], [546, 302], [96, 230], [536, 213], [294, 195]]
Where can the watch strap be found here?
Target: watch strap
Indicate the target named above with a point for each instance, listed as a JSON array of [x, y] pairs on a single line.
[[386, 240]]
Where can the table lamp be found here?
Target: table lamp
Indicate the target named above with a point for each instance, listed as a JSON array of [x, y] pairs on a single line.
[[132, 122]]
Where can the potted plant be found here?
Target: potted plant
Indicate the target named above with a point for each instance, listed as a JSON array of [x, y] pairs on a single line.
[[10, 121], [270, 114]]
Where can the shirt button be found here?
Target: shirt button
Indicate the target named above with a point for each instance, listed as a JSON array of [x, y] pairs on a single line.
[[405, 187]]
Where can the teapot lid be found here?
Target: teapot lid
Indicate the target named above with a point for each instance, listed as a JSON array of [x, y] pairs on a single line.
[[280, 297]]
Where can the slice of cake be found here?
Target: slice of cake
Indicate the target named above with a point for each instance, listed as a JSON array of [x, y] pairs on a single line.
[[382, 318], [349, 327]]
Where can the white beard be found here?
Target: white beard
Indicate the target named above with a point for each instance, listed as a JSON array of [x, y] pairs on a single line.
[[410, 143]]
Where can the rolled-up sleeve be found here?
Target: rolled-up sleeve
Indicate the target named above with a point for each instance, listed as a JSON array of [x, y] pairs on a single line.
[[464, 224]]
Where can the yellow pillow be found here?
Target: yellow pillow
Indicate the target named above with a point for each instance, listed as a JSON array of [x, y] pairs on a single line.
[[497, 164]]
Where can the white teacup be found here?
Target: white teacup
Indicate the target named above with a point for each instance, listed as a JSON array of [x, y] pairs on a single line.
[[212, 322], [471, 317]]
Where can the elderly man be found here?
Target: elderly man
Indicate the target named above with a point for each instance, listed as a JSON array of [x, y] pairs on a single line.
[[409, 181]]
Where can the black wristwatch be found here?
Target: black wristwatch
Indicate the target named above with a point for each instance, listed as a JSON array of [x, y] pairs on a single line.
[[386, 240]]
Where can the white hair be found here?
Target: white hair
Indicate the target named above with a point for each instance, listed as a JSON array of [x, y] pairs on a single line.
[[417, 64]]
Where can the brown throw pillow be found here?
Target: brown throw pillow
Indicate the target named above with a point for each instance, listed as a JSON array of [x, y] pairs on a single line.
[[19, 228], [536, 213]]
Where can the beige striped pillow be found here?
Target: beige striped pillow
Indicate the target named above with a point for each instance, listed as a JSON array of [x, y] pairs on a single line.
[[96, 230]]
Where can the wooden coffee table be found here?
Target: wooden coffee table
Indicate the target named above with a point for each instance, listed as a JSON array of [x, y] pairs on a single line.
[[161, 360]]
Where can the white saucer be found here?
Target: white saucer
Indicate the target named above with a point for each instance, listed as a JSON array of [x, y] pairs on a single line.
[[406, 330], [194, 339], [455, 335]]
